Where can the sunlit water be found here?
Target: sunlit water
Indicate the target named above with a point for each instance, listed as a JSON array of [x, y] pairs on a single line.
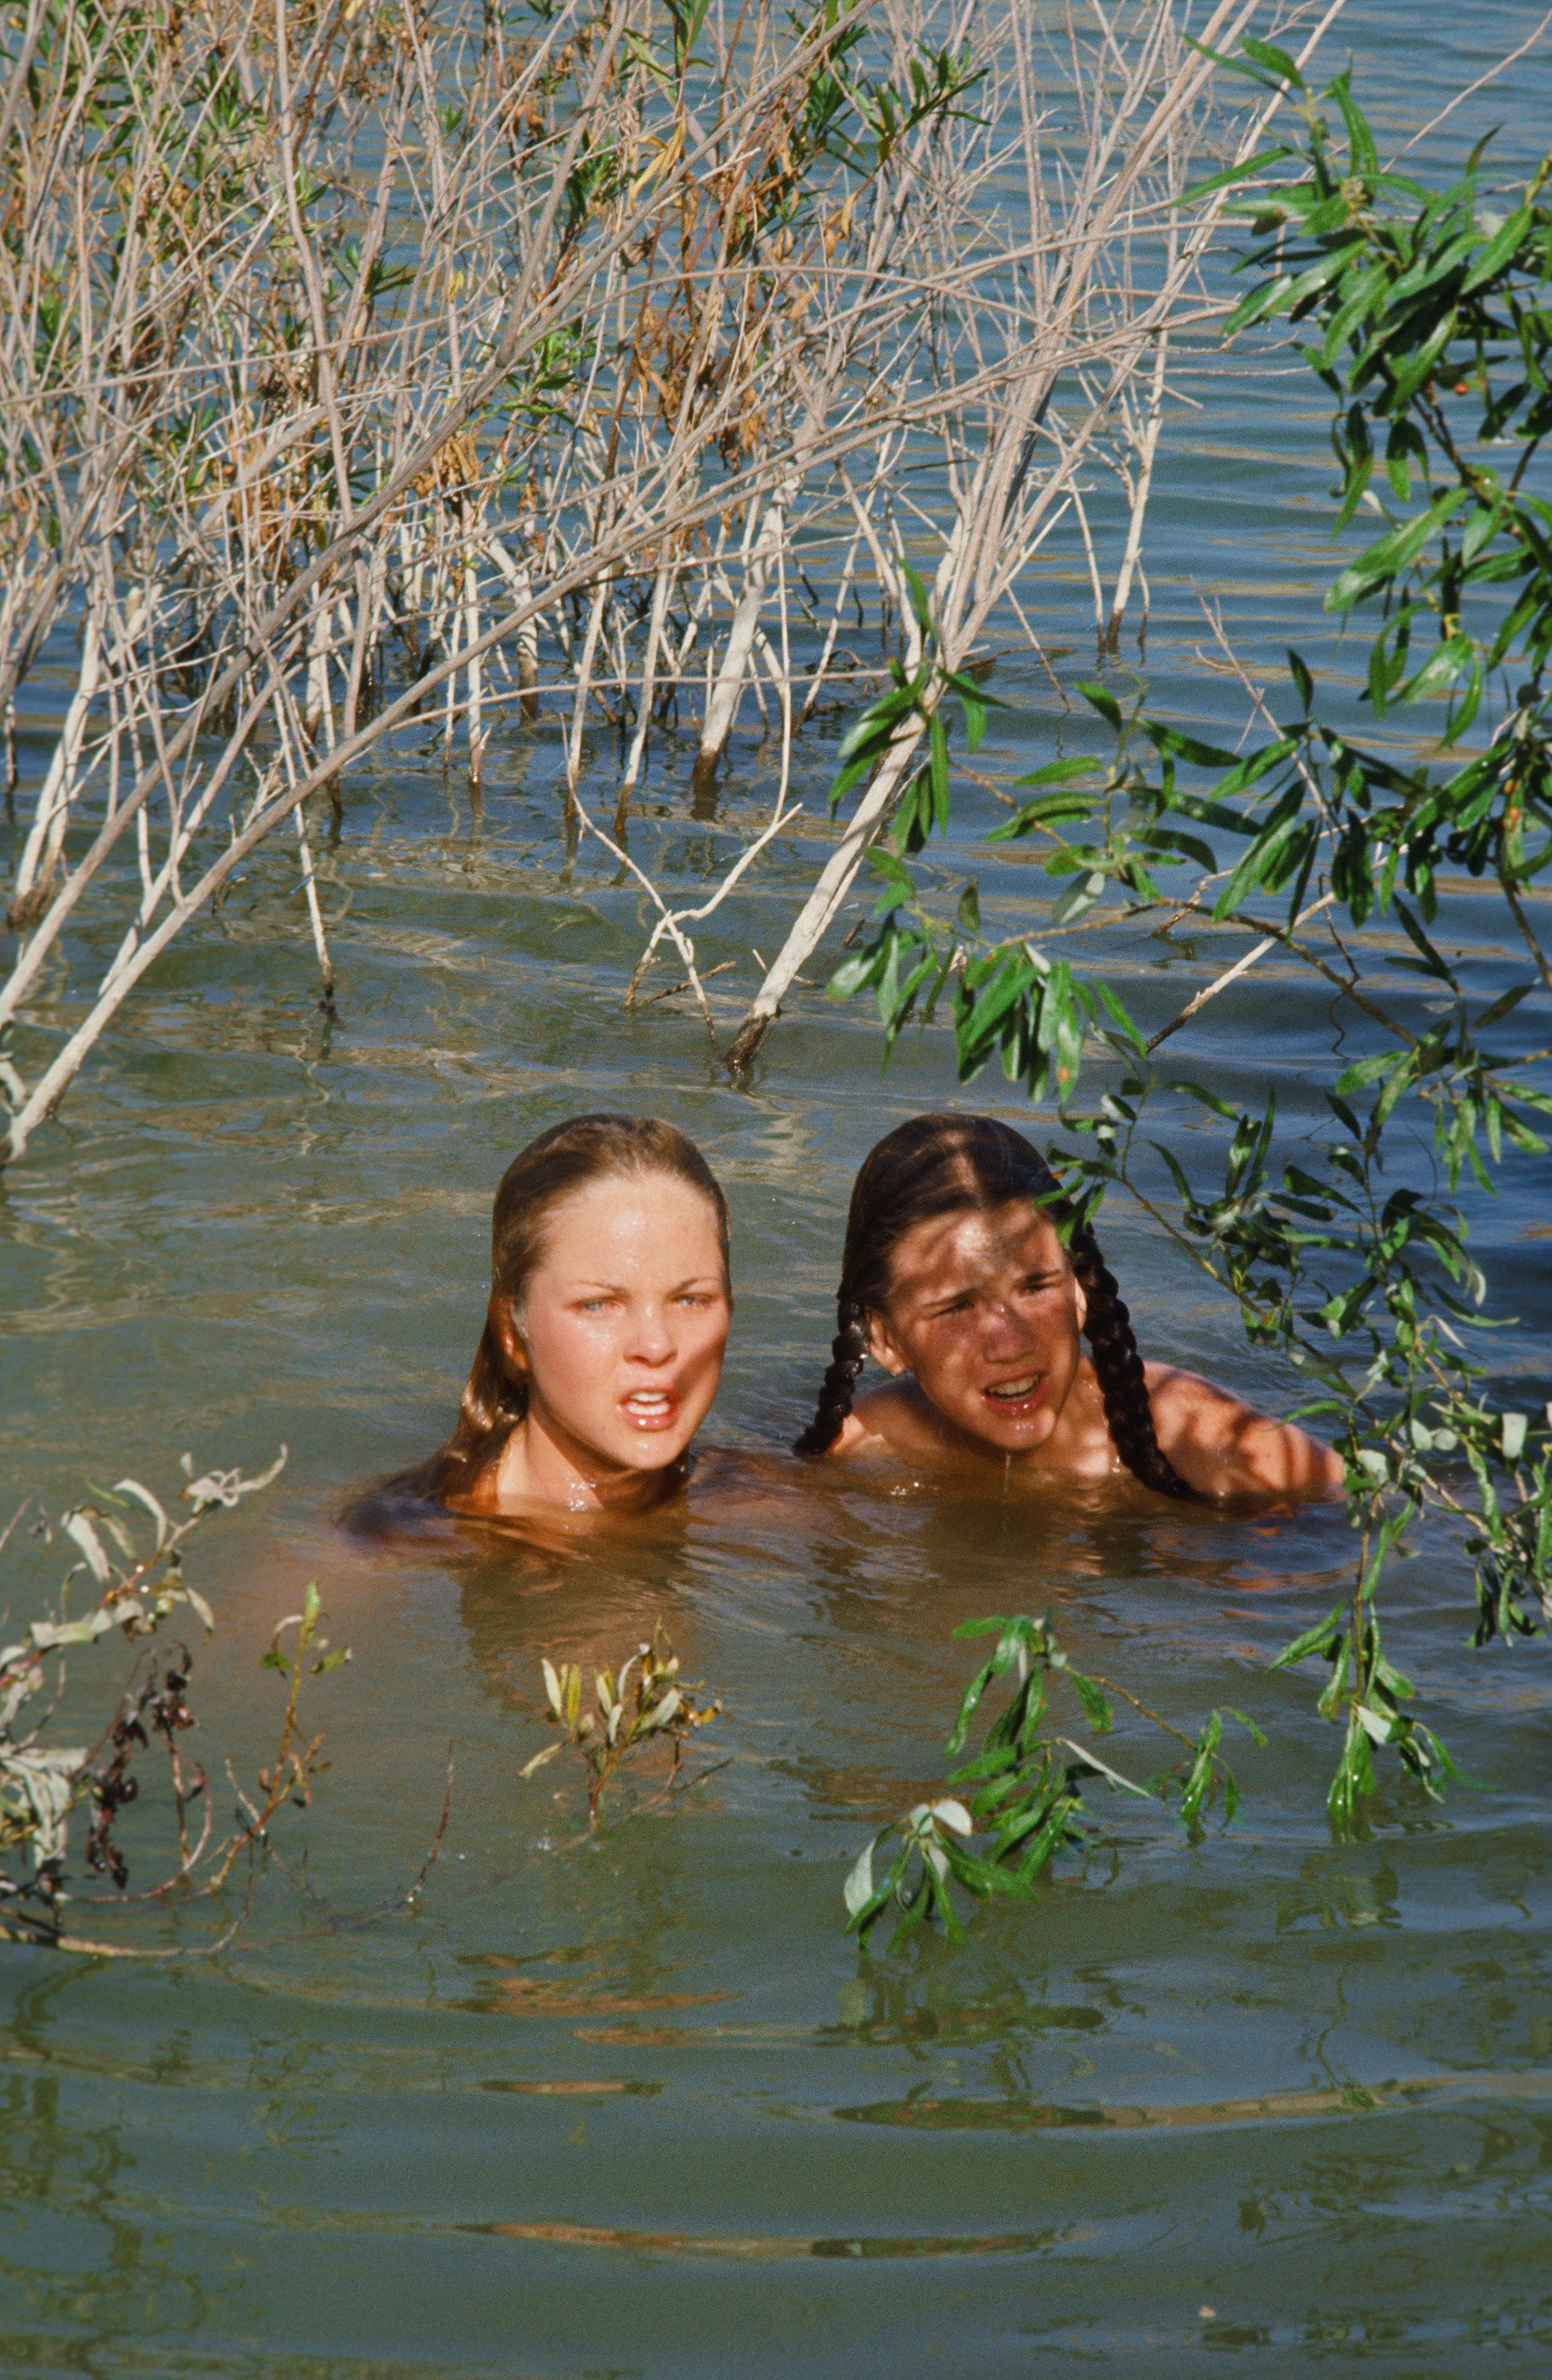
[[635, 2106]]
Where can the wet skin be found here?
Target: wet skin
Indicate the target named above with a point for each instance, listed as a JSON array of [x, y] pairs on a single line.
[[981, 1337], [619, 1339]]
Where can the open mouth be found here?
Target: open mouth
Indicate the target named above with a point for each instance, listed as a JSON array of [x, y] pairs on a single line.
[[649, 1408], [1017, 1396]]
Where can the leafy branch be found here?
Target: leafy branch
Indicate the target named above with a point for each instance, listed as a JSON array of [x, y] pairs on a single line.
[[1025, 1801], [1427, 319], [136, 1589]]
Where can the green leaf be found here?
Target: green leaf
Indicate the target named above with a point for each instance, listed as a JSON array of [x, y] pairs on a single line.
[[1367, 1070], [1188, 747], [1062, 772], [1277, 61], [1391, 554], [1433, 964], [1404, 446], [975, 702], [1244, 774], [878, 716], [854, 973], [1100, 698], [1261, 857], [918, 598], [893, 871], [1290, 292], [1080, 895], [1503, 1004], [1163, 843], [1358, 304], [1365, 160], [1121, 1015], [1206, 1099], [1042, 812], [1232, 173], [1443, 665], [1503, 245], [1230, 66], [1095, 1702], [1317, 1639], [938, 765]]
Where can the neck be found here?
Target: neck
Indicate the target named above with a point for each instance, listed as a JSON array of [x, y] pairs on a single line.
[[543, 1463], [1080, 1429]]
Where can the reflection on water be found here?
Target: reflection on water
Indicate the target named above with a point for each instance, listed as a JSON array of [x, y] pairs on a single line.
[[761, 2249], [1256, 2096], [921, 2112]]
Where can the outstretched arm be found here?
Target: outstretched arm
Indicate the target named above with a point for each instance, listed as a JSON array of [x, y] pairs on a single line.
[[1225, 1448]]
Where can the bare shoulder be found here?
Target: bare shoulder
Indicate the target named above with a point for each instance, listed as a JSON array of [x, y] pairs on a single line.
[[1225, 1448], [897, 1415]]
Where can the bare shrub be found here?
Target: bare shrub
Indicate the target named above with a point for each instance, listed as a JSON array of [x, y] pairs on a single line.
[[359, 367]]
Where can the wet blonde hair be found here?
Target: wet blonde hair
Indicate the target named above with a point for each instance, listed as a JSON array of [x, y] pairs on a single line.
[[538, 1180]]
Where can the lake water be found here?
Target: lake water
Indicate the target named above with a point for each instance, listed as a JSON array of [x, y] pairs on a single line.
[[635, 2107]]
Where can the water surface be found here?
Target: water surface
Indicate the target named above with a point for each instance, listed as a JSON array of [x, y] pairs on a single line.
[[636, 2105]]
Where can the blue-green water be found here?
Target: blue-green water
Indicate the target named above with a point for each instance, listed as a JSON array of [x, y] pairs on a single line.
[[635, 2107]]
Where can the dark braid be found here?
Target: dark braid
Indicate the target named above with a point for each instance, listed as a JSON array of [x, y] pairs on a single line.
[[1118, 1367], [848, 1351], [947, 1164]]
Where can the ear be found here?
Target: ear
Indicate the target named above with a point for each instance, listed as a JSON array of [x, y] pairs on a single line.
[[501, 1316], [1080, 1301], [881, 1346]]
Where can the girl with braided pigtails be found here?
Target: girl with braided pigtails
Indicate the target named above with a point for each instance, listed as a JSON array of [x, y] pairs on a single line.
[[957, 1279]]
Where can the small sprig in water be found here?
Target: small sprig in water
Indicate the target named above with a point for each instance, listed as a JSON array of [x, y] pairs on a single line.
[[1026, 1791], [646, 1704]]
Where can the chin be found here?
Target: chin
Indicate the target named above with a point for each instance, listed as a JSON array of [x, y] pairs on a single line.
[[658, 1458], [1008, 1437]]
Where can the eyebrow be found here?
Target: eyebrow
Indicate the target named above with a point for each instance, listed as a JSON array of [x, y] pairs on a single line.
[[1035, 1272], [585, 1288]]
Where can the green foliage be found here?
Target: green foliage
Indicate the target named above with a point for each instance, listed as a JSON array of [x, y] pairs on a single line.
[[1427, 319], [655, 1706], [843, 113], [1023, 1796]]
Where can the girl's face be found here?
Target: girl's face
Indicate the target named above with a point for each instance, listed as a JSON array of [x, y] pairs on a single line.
[[621, 1331], [986, 1310]]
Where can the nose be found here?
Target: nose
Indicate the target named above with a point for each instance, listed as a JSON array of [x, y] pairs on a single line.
[[650, 1340], [1004, 1332]]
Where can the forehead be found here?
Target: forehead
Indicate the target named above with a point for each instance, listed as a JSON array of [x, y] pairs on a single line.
[[640, 1222], [978, 1244]]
